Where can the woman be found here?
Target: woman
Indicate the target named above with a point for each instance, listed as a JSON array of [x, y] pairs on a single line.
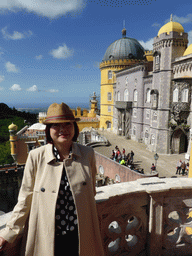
[[56, 199]]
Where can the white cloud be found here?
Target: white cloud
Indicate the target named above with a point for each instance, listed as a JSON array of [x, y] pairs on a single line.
[[182, 20], [16, 87], [2, 78], [156, 25], [1, 88], [16, 35], [11, 67], [48, 8], [33, 88], [40, 57], [52, 90], [148, 45], [62, 52]]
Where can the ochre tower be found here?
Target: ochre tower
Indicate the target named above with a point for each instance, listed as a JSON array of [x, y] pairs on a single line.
[[93, 101], [120, 54], [13, 140]]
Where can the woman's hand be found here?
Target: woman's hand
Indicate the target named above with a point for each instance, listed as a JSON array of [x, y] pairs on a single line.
[[3, 242]]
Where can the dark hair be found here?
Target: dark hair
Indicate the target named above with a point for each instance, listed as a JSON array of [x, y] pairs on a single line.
[[48, 136]]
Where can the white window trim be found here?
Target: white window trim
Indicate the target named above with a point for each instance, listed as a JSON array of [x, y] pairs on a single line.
[[175, 95], [126, 95]]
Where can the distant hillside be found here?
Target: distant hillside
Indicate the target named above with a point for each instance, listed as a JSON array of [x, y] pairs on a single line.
[[8, 116]]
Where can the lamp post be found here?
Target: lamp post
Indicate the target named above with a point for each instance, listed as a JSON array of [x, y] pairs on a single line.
[[156, 157]]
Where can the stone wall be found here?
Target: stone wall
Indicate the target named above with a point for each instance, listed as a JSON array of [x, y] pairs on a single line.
[[112, 169], [147, 217]]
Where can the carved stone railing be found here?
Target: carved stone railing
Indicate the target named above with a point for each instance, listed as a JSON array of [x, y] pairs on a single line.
[[146, 217]]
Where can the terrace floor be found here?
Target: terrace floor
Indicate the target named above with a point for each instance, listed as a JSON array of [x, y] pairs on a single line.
[[143, 158]]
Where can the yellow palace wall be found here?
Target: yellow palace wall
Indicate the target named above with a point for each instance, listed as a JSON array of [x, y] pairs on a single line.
[[82, 125], [107, 86]]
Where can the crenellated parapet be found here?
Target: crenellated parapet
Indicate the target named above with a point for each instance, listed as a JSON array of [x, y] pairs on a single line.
[[172, 38], [120, 64]]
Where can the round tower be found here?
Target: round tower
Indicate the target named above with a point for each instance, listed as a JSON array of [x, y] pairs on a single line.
[[93, 101], [121, 54], [13, 140]]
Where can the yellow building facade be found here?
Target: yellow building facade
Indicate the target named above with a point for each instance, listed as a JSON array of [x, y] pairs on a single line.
[[119, 55]]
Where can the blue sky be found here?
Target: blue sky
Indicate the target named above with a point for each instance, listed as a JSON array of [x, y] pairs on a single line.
[[50, 50]]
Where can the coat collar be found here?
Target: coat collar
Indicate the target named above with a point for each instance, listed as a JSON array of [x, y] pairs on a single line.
[[49, 156]]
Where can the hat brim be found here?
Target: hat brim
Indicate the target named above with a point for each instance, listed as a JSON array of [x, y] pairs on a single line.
[[59, 121]]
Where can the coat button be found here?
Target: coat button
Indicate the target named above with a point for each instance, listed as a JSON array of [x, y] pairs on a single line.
[[84, 183], [42, 189]]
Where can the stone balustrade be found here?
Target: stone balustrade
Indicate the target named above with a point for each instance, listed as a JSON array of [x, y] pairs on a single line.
[[151, 216], [146, 217]]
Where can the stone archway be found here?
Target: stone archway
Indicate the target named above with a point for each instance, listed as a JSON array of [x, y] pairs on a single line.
[[179, 142]]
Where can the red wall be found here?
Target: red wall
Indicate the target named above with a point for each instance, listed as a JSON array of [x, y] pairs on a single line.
[[111, 168]]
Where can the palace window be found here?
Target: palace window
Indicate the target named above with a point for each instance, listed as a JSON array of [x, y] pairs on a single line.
[[126, 80], [157, 60], [148, 95], [154, 116], [146, 134], [152, 139], [134, 112], [184, 95], [110, 74], [134, 130], [109, 96], [175, 95], [147, 114], [109, 109], [135, 94], [126, 95], [108, 124], [118, 96]]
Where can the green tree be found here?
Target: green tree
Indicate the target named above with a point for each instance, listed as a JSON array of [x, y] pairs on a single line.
[[5, 154]]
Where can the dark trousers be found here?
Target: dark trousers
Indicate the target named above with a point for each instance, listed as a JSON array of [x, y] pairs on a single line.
[[67, 245]]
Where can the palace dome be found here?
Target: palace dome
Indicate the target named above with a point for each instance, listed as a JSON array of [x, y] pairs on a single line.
[[124, 48], [171, 26], [188, 50]]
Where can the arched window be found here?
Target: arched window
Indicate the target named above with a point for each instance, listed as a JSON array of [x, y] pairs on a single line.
[[118, 96], [146, 134], [109, 96], [148, 95], [135, 94], [126, 95], [184, 94], [134, 130], [110, 74], [126, 80], [175, 95], [152, 139]]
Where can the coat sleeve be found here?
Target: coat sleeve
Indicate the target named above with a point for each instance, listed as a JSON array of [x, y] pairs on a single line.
[[16, 224]]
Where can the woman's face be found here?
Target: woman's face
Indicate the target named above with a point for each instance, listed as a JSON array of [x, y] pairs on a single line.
[[62, 133]]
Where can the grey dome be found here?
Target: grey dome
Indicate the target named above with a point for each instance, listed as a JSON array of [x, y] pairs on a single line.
[[124, 48]]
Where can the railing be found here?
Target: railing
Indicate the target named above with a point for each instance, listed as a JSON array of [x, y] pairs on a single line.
[[10, 182], [148, 217]]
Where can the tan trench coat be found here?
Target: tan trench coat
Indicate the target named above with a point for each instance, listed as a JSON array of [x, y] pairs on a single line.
[[38, 196]]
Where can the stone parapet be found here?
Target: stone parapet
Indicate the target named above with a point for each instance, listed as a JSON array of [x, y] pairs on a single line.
[[146, 217]]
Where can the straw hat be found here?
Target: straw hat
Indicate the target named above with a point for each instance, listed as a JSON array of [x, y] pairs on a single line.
[[59, 113]]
